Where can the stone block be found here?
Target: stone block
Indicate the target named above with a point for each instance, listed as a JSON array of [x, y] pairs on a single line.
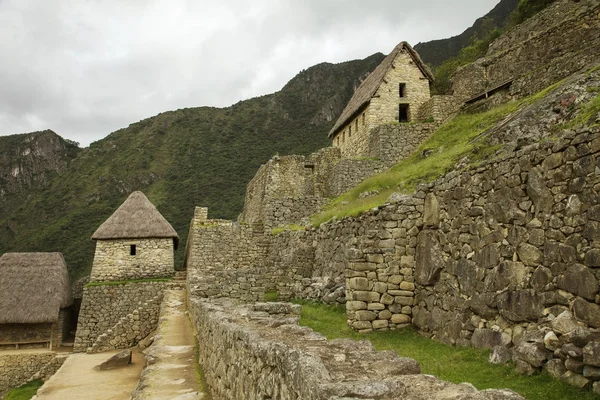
[[400, 319], [358, 283], [363, 315], [591, 354], [356, 305], [380, 324], [369, 297]]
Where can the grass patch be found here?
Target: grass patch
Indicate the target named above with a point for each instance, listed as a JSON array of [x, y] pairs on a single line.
[[292, 227], [453, 364], [24, 392], [446, 146], [271, 296], [113, 283]]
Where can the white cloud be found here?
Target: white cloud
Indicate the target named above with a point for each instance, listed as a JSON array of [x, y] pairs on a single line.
[[87, 68]]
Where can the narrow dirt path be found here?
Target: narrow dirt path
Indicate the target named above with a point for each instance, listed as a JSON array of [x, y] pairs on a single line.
[[77, 379], [171, 370]]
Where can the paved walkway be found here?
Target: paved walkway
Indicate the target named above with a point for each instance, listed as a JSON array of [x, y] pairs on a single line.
[[77, 379], [171, 373]]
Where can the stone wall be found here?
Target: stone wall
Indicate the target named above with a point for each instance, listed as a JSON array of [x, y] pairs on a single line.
[[223, 258], [288, 210], [438, 108], [113, 260], [513, 246], [18, 369], [105, 306], [260, 352], [392, 143], [348, 173], [556, 43]]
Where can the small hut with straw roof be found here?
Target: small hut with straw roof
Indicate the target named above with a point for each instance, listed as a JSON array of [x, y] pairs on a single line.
[[35, 296], [136, 242]]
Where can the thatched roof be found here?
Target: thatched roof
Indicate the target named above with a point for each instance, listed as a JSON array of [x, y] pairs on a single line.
[[136, 218], [33, 287], [367, 89]]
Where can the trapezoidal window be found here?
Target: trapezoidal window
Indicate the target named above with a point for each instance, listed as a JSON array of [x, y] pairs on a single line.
[[132, 250], [402, 112], [356, 125], [402, 89]]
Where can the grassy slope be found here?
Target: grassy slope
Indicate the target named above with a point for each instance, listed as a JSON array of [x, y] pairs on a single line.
[[180, 159], [24, 392], [448, 144], [446, 362]]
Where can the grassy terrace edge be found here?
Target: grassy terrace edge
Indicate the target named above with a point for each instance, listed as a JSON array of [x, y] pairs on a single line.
[[125, 282], [450, 143], [450, 363]]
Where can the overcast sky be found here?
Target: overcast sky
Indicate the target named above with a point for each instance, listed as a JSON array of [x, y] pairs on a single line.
[[85, 68]]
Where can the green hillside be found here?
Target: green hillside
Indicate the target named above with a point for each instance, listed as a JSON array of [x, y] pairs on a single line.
[[181, 159]]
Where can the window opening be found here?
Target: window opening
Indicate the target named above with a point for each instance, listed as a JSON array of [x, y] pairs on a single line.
[[132, 250], [402, 89], [403, 113]]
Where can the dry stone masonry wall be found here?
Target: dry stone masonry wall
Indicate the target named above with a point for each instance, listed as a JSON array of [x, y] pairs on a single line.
[[18, 369], [395, 142], [113, 260], [260, 352], [512, 247], [104, 306], [558, 42]]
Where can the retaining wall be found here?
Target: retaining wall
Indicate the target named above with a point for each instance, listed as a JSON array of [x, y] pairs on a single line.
[[105, 307], [259, 352], [17, 369]]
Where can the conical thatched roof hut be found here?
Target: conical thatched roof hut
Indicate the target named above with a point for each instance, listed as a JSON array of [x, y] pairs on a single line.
[[33, 287], [136, 218]]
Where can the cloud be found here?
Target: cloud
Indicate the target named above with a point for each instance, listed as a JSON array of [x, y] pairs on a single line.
[[87, 68]]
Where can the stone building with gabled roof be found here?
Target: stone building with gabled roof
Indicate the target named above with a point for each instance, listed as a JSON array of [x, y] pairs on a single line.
[[393, 92], [136, 242], [35, 296]]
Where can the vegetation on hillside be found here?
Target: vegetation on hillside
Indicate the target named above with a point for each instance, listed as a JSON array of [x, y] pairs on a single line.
[[453, 364], [488, 31], [180, 159]]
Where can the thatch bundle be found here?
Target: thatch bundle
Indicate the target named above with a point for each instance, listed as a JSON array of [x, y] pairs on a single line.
[[33, 287], [369, 86], [136, 218]]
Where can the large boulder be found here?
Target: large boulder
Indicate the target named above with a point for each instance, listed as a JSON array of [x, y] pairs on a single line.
[[429, 262], [520, 305]]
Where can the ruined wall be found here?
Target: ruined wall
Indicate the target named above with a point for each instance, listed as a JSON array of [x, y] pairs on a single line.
[[104, 307], [288, 210], [113, 261], [554, 44], [18, 369], [224, 258], [259, 352], [392, 143]]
